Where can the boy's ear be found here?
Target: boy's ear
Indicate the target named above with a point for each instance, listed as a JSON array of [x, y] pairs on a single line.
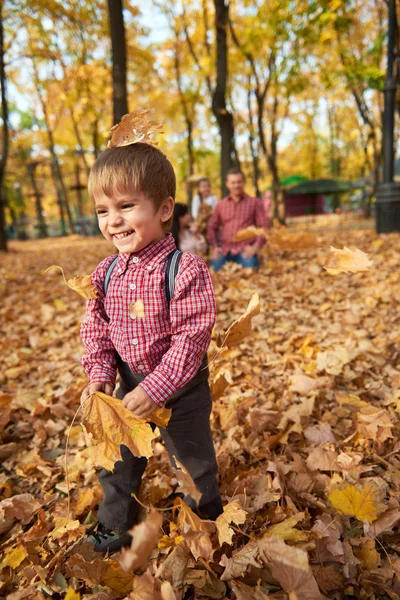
[[167, 209]]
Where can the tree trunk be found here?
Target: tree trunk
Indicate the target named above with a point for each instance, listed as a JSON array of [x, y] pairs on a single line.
[[42, 225], [4, 150], [223, 116], [252, 144], [117, 31], [95, 138]]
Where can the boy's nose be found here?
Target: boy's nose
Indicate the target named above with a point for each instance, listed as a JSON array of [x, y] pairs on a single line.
[[115, 219]]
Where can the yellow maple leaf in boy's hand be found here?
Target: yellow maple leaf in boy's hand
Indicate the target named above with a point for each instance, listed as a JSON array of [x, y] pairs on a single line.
[[347, 261], [109, 424], [360, 501], [249, 233]]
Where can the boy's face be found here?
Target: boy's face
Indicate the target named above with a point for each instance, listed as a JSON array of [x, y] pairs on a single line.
[[132, 222]]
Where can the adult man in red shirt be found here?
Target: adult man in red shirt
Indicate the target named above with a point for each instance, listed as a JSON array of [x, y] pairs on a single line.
[[233, 213]]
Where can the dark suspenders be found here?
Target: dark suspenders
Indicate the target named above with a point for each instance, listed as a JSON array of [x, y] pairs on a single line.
[[170, 273]]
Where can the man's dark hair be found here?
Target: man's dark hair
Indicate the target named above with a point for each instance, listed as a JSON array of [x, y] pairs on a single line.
[[235, 171]]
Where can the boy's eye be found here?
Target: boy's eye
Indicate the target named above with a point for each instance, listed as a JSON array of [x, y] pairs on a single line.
[[128, 205], [101, 211]]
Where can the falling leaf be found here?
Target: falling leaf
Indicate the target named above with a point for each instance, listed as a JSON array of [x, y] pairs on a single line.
[[219, 384], [249, 233], [356, 501], [108, 425], [233, 513], [347, 261], [134, 127], [186, 483], [242, 327], [145, 537], [136, 310], [81, 284]]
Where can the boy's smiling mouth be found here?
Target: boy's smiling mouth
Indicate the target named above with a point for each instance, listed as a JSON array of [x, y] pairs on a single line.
[[124, 234]]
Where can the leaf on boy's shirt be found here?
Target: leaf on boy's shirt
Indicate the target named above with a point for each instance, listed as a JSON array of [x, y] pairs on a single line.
[[136, 310], [134, 127], [81, 284], [249, 233], [145, 537], [233, 513], [109, 424], [186, 483], [242, 327], [347, 261]]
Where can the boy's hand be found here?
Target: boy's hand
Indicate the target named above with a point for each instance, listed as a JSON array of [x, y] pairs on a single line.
[[139, 402], [97, 386]]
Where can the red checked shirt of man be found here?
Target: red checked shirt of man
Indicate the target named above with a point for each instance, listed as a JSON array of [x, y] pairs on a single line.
[[168, 346], [229, 217]]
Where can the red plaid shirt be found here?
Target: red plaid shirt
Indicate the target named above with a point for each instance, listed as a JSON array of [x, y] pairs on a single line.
[[167, 346], [230, 217]]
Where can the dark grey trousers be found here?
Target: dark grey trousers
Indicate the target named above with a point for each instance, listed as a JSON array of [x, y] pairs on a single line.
[[187, 436]]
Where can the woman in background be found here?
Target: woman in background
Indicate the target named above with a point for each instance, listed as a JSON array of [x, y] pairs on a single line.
[[187, 237]]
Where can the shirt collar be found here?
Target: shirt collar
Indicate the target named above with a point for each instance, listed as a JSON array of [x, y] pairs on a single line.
[[243, 197], [148, 257]]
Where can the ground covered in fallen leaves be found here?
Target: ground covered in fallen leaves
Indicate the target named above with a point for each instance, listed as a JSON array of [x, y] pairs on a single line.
[[305, 425]]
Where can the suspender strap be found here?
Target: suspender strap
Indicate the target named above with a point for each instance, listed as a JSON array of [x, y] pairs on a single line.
[[108, 274], [170, 273]]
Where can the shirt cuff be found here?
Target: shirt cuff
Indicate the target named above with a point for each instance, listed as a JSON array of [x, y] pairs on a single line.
[[104, 374], [158, 387]]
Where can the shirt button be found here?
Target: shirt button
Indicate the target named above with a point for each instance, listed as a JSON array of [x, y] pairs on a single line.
[[135, 342], [133, 317], [132, 286], [135, 259], [140, 367]]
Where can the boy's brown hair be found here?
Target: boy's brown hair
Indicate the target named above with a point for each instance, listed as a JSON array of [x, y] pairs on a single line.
[[129, 169]]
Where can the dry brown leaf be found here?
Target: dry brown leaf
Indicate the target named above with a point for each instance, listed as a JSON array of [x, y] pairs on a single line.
[[374, 423], [108, 425], [21, 507], [242, 327], [347, 261], [82, 284], [186, 483], [368, 555], [249, 233], [134, 127], [241, 560], [195, 531], [233, 513], [136, 311], [145, 537]]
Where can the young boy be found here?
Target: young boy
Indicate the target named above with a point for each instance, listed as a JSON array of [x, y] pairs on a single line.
[[161, 357]]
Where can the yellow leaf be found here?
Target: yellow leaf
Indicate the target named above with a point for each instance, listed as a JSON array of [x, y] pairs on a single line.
[[286, 529], [64, 526], [368, 555], [233, 513], [81, 284], [109, 424], [343, 398], [242, 327], [161, 416], [72, 595], [249, 233], [136, 310], [116, 578], [134, 127], [347, 261], [14, 558], [195, 531], [356, 501]]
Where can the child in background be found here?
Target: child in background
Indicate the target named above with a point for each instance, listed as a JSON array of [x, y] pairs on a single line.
[[187, 237], [203, 198], [161, 358]]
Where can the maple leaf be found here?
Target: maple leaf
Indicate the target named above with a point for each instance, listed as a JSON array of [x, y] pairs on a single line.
[[249, 233], [242, 327], [358, 501], [136, 310], [286, 529], [14, 558], [186, 483], [134, 127], [108, 425], [81, 284], [66, 527], [347, 261], [21, 507], [145, 537], [241, 560], [195, 531], [233, 513]]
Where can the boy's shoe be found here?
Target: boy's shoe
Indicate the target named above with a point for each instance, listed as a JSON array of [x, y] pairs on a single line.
[[108, 540]]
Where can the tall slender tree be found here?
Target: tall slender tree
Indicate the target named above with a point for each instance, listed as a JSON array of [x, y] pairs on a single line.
[[118, 43], [4, 149]]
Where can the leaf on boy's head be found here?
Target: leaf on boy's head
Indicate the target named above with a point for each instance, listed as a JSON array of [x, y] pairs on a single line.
[[81, 283], [109, 424], [134, 127], [347, 261], [136, 310]]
